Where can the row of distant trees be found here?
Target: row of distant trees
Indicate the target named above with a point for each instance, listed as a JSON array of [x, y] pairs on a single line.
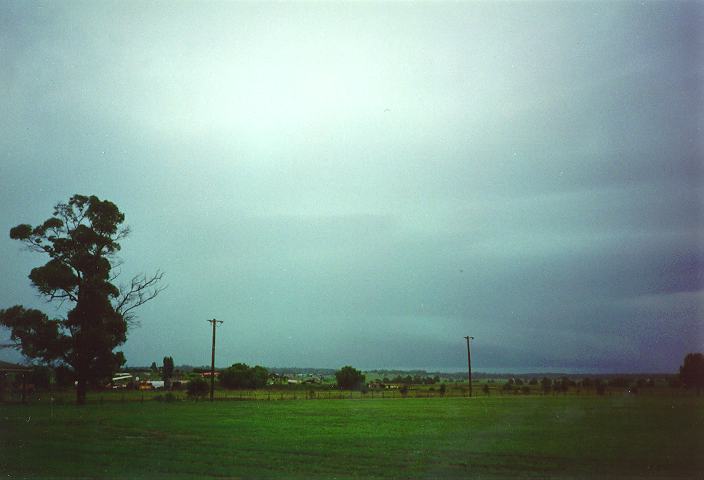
[[559, 385], [242, 376], [412, 380]]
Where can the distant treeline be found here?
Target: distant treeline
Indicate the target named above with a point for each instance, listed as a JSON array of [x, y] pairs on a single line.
[[462, 376], [451, 376]]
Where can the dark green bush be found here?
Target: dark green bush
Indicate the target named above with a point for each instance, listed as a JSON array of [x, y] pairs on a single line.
[[349, 378], [197, 388], [241, 375]]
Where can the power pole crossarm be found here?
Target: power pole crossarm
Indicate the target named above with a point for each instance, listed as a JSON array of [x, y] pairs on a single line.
[[212, 360]]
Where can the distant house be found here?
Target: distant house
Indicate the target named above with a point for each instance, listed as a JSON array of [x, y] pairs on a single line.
[[151, 385], [120, 380], [378, 385]]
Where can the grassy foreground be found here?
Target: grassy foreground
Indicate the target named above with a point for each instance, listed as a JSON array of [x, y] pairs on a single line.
[[531, 436]]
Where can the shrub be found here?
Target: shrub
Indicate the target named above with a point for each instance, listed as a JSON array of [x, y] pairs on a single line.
[[197, 388], [349, 378], [241, 375]]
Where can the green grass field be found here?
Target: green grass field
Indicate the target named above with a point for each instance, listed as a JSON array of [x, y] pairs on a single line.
[[484, 437]]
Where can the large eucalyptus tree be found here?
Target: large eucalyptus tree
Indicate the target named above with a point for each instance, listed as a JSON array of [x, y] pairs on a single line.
[[81, 241]]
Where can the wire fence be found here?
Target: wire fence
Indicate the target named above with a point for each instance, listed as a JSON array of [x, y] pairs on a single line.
[[299, 394]]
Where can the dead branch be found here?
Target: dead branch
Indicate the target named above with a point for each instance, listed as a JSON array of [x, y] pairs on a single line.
[[141, 290]]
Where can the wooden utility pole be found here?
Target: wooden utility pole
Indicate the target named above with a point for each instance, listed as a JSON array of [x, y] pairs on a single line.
[[469, 365], [212, 360]]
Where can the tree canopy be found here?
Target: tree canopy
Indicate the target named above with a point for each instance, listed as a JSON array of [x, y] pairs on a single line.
[[167, 370], [692, 371], [81, 240], [241, 375], [349, 378], [197, 388]]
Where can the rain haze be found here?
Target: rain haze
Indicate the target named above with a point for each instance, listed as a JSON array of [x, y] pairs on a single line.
[[366, 183]]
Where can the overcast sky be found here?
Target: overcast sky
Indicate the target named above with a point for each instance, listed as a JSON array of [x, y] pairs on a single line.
[[367, 183]]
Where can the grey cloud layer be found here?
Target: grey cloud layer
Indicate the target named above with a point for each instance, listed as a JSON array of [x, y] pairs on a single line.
[[366, 184]]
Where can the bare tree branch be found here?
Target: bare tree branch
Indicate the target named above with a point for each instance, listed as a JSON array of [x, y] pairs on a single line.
[[141, 290], [63, 296], [115, 265], [124, 232]]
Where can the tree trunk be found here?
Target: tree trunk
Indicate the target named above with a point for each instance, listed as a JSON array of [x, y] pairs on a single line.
[[81, 392]]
